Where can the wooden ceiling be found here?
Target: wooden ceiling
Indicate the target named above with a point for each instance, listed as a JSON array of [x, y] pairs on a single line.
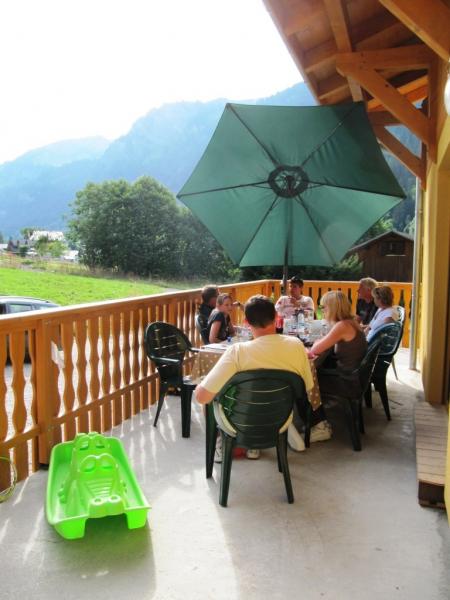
[[384, 52]]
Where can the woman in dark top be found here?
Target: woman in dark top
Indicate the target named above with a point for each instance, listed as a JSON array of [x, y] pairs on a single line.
[[220, 326], [347, 341]]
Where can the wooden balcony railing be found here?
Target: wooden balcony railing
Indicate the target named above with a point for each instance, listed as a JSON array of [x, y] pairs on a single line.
[[88, 370]]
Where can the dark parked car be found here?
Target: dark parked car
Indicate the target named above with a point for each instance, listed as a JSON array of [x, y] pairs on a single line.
[[10, 305], [14, 304]]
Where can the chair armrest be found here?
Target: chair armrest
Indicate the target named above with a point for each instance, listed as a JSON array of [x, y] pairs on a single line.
[[166, 361]]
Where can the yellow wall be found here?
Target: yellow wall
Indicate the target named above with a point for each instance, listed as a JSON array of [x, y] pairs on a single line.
[[435, 290], [435, 275]]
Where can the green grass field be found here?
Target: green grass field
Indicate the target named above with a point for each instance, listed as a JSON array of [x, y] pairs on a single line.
[[70, 289]]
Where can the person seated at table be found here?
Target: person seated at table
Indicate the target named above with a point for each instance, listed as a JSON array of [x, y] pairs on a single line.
[[286, 306], [267, 350], [209, 299], [365, 306], [220, 326], [345, 340], [386, 312]]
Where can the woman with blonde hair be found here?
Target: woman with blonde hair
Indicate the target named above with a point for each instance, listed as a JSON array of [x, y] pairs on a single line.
[[345, 339]]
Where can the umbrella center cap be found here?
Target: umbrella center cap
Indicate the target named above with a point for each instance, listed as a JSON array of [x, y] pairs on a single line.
[[288, 182]]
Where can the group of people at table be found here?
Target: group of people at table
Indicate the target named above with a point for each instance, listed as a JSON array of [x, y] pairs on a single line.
[[341, 349]]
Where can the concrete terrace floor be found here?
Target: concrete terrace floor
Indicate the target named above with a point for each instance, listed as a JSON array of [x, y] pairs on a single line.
[[354, 531]]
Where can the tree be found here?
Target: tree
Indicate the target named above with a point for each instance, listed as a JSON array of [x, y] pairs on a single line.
[[127, 228]]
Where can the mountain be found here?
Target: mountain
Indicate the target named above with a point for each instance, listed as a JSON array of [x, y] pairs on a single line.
[[37, 188]]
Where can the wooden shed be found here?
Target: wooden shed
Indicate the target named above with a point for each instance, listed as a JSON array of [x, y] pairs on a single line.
[[387, 257]]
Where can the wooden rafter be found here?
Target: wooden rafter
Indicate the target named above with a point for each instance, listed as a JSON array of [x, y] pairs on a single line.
[[412, 162], [291, 42], [306, 12], [361, 66], [338, 18], [407, 58], [381, 31], [429, 20], [414, 91], [331, 85], [383, 118]]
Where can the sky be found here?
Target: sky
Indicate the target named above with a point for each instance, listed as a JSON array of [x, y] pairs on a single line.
[[79, 68]]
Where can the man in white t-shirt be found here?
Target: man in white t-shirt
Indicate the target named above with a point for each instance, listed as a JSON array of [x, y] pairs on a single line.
[[286, 306], [268, 350]]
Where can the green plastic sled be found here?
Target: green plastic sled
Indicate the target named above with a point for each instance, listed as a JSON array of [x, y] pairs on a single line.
[[89, 478]]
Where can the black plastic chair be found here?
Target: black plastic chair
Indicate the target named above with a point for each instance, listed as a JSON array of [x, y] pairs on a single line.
[[166, 347], [361, 375], [253, 410], [202, 327], [390, 336]]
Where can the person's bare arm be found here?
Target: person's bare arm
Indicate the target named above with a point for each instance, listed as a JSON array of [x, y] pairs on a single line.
[[203, 396], [214, 333], [328, 341]]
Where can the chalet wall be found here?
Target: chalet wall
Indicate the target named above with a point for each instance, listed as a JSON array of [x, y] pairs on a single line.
[[387, 268]]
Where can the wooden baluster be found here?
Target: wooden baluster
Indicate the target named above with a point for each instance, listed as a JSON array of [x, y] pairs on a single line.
[[135, 393], [144, 368], [19, 414], [154, 385], [116, 373], [70, 428], [5, 474], [82, 388], [105, 332], [94, 380], [126, 371], [33, 407]]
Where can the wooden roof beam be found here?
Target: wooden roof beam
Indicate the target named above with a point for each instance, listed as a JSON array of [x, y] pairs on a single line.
[[291, 42], [382, 118], [429, 20], [306, 12], [331, 85], [382, 31], [408, 58], [414, 91], [412, 162], [389, 96], [338, 18]]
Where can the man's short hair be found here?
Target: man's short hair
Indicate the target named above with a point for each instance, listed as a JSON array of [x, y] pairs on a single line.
[[208, 292], [297, 280], [369, 283], [259, 311]]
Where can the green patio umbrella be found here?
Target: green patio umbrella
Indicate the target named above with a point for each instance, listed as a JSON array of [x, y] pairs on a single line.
[[284, 185]]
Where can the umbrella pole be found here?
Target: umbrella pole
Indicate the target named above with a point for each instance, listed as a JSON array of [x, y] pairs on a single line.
[[285, 270]]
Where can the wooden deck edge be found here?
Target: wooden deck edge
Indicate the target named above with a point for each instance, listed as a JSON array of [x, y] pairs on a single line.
[[431, 425]]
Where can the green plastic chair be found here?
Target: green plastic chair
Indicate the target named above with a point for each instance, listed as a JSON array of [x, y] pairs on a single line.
[[253, 410], [166, 347]]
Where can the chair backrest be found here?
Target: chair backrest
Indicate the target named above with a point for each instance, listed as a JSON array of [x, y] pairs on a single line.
[[163, 340], [390, 336], [202, 328], [367, 365], [258, 403]]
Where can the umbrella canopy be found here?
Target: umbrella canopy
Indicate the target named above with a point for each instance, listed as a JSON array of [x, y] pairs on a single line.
[[281, 185]]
